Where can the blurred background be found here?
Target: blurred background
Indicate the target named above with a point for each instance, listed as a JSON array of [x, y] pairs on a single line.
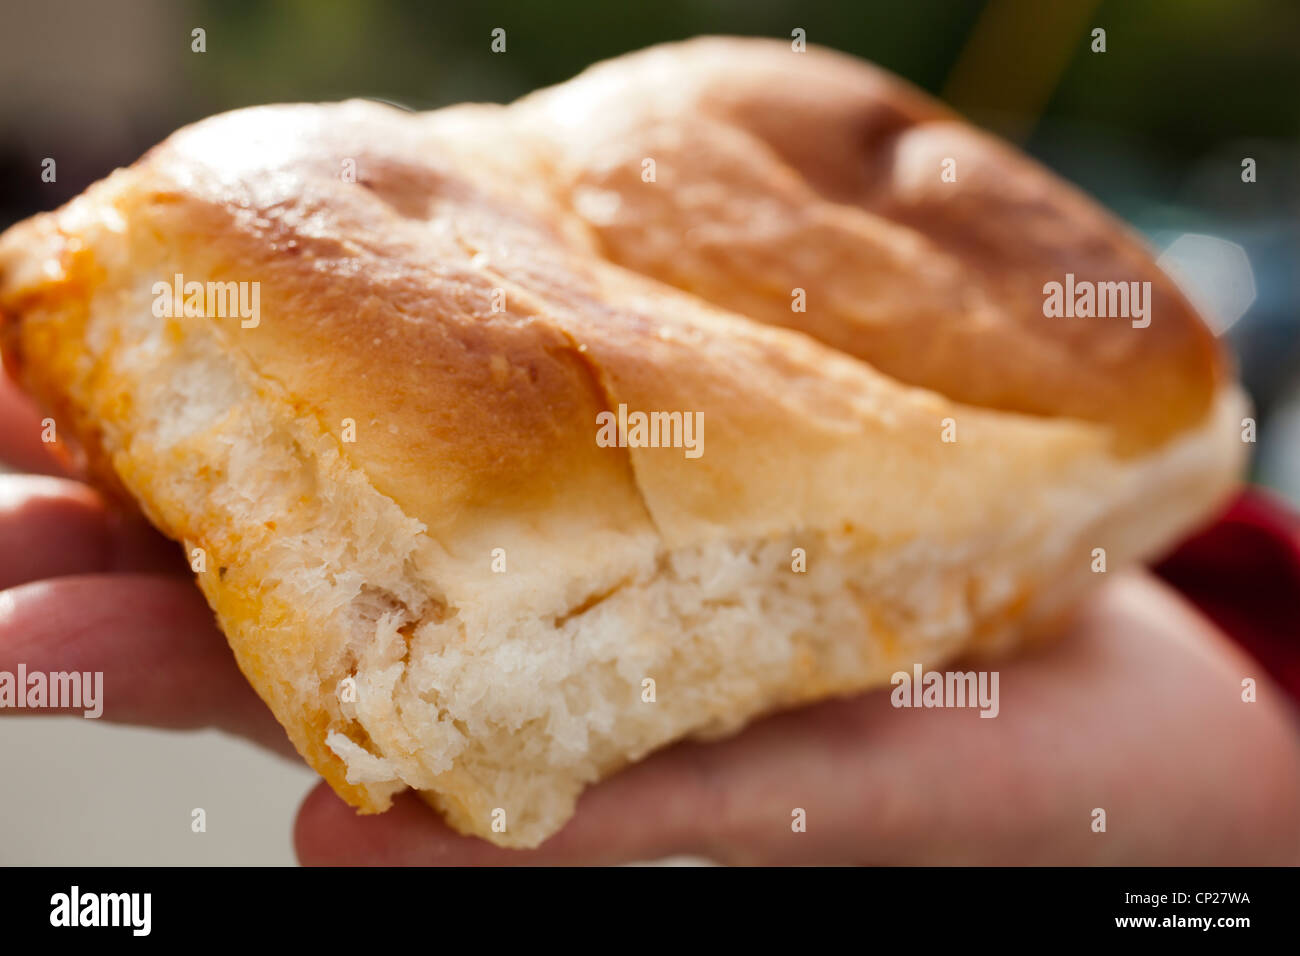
[[1156, 127]]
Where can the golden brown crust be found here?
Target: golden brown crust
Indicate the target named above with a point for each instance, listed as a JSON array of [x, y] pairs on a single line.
[[778, 170], [775, 171]]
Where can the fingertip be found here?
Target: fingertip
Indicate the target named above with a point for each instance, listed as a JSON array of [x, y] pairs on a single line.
[[649, 812], [54, 527], [329, 832], [21, 430], [316, 818]]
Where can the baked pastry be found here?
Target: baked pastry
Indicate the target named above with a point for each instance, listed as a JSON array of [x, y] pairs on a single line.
[[418, 426]]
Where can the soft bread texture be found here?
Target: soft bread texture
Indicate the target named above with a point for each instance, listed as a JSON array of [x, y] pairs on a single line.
[[475, 428]]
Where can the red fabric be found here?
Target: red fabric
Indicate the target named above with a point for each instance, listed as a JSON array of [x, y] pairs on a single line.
[[1243, 572]]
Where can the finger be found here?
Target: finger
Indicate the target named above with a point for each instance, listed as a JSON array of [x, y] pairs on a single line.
[[21, 447], [716, 800], [649, 811], [51, 527], [164, 663]]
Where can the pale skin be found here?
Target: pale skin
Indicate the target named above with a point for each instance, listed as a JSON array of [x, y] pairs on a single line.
[[1136, 709]]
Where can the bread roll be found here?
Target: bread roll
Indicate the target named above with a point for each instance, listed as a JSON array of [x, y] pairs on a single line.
[[435, 557]]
